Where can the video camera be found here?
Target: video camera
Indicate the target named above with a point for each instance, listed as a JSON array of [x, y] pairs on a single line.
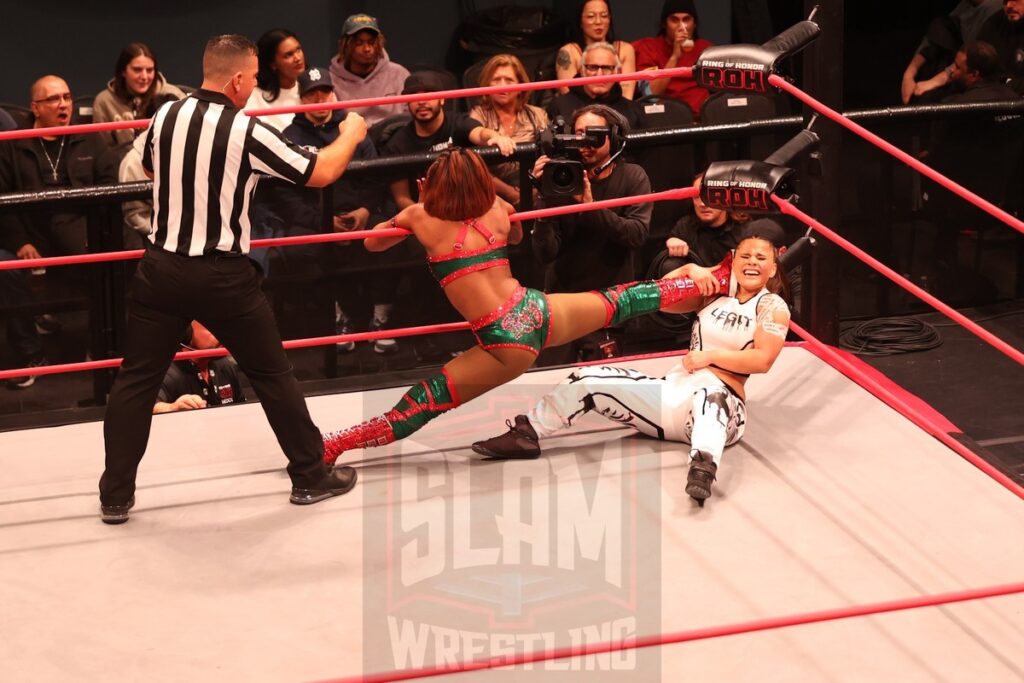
[[562, 177]]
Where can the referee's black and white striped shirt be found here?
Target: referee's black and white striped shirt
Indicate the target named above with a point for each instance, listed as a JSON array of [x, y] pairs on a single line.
[[206, 157]]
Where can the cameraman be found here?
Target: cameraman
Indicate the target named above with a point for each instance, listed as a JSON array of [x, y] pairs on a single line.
[[595, 249]]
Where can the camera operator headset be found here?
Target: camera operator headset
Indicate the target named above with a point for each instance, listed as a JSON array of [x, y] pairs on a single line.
[[618, 129]]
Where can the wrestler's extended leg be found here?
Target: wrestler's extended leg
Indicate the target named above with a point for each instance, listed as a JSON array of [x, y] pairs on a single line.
[[627, 301], [622, 395], [462, 379]]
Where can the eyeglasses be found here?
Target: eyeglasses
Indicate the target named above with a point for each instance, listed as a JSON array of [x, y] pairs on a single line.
[[599, 68], [54, 99]]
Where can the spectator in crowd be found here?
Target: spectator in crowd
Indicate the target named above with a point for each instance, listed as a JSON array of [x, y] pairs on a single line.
[[599, 59], [200, 382], [135, 92], [281, 61], [927, 70], [957, 147], [362, 68], [977, 75], [432, 130], [509, 113], [357, 203], [137, 213], [51, 162], [594, 25], [677, 44], [595, 249], [1005, 32], [702, 237]]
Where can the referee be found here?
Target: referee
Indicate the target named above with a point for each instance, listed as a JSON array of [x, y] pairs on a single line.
[[205, 157]]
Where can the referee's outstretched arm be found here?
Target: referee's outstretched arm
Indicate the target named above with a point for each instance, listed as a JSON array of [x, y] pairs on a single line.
[[332, 159]]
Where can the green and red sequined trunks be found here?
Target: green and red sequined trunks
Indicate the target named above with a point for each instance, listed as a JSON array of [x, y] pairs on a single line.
[[522, 322]]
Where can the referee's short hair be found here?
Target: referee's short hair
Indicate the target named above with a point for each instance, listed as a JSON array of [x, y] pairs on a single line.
[[223, 53]]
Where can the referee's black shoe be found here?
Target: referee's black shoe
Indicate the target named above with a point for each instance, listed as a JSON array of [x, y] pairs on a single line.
[[520, 442], [338, 481], [698, 481], [116, 514]]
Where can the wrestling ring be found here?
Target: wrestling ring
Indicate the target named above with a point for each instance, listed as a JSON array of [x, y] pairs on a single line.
[[846, 539]]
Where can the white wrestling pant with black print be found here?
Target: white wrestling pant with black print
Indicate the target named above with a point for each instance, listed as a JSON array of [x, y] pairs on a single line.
[[697, 408]]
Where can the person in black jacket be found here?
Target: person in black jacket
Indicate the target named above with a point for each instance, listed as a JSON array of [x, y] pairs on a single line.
[[595, 249], [45, 163], [51, 162], [702, 237], [356, 200]]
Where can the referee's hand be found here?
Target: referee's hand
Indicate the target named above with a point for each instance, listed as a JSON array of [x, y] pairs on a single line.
[[353, 126]]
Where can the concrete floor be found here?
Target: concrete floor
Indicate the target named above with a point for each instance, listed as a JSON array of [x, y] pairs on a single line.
[[832, 499]]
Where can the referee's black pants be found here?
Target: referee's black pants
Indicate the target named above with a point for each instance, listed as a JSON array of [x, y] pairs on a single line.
[[223, 293]]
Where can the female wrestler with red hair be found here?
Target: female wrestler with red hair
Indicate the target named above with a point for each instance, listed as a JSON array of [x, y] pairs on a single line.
[[465, 229]]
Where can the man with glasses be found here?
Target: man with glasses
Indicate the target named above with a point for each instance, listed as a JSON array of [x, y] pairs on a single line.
[[45, 163], [51, 162], [599, 59]]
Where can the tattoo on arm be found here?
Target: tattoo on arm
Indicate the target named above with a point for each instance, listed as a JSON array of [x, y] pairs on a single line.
[[563, 60], [767, 308]]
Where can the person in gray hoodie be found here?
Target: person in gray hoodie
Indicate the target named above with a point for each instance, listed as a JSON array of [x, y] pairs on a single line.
[[362, 68], [133, 93]]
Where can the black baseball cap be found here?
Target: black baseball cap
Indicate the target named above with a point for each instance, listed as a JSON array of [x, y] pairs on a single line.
[[313, 78], [423, 81]]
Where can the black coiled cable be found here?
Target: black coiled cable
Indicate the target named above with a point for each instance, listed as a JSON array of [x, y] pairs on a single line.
[[888, 336]]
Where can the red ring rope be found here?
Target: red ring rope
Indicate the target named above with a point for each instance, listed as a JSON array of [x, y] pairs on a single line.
[[103, 257], [221, 351], [54, 131], [885, 146], [649, 75], [790, 210], [698, 633]]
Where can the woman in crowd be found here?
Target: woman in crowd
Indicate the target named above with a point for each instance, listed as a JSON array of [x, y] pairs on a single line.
[[465, 229], [594, 25], [281, 61], [135, 92], [701, 401], [508, 113]]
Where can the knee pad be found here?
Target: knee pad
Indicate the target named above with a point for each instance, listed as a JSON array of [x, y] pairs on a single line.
[[422, 403]]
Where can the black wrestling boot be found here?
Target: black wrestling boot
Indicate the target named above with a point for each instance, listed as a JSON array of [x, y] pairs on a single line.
[[338, 481], [698, 480], [116, 514], [520, 442]]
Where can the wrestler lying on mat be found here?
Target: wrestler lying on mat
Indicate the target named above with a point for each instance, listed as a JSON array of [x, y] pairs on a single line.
[[701, 400], [465, 229]]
